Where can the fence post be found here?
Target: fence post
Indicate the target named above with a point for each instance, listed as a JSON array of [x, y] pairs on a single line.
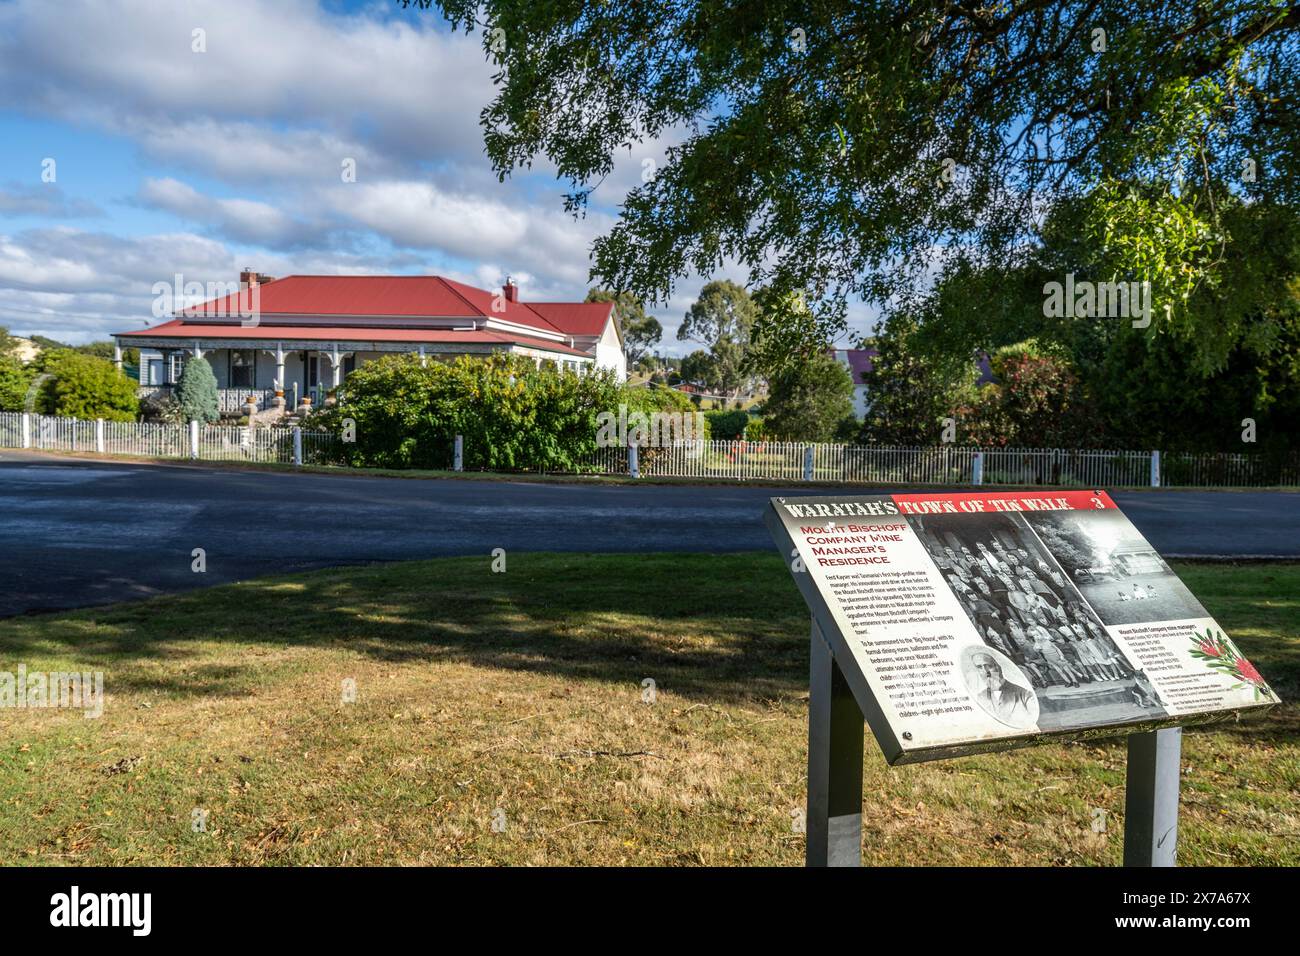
[[99, 435], [297, 446], [459, 463], [27, 430], [194, 438], [977, 469], [808, 452], [633, 467], [73, 432], [1155, 469]]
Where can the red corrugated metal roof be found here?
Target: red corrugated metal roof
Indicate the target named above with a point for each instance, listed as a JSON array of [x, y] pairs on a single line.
[[349, 295], [401, 297], [575, 318], [179, 329], [494, 305]]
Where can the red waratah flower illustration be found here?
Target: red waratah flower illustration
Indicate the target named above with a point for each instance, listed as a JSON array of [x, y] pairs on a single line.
[[1207, 647], [1247, 671]]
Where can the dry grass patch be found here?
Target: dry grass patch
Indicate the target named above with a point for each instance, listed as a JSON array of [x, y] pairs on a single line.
[[516, 699]]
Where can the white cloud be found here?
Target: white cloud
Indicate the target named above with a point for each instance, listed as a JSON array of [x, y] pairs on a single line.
[[407, 91], [285, 92], [244, 220], [44, 199], [423, 216]]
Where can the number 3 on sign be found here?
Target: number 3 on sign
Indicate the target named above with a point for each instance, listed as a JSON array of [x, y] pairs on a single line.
[[1097, 503]]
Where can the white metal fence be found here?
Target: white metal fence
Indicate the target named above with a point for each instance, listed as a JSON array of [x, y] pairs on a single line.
[[153, 440], [884, 464], [721, 460]]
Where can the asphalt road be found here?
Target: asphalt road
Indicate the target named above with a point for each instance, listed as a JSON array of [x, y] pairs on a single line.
[[76, 533]]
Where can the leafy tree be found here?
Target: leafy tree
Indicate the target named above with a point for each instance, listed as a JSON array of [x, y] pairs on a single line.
[[810, 400], [911, 393], [1070, 545], [106, 350], [1150, 388], [699, 367], [727, 426], [83, 386], [722, 318], [641, 332], [196, 392], [15, 379], [844, 146]]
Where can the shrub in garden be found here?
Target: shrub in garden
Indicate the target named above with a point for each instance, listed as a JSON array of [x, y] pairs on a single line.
[[727, 426], [511, 413], [196, 392], [83, 386]]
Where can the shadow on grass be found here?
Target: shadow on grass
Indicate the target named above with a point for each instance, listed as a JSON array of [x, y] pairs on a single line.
[[726, 627], [721, 628]]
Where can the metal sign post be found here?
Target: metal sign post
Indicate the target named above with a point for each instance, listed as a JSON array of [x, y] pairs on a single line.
[[835, 731], [1151, 798], [835, 736]]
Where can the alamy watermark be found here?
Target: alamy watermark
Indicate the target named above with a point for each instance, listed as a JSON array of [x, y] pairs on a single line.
[[221, 300], [653, 429], [1098, 300], [39, 689]]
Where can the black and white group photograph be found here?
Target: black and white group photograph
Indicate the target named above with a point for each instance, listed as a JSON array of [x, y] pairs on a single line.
[[1023, 604]]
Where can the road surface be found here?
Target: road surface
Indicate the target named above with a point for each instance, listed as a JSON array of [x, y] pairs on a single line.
[[79, 532]]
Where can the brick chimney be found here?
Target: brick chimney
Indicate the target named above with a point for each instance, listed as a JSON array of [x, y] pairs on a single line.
[[248, 278], [511, 290]]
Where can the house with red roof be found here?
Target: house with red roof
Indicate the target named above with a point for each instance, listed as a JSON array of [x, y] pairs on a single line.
[[300, 336]]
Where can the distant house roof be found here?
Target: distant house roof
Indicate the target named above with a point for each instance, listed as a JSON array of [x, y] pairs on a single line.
[[858, 361]]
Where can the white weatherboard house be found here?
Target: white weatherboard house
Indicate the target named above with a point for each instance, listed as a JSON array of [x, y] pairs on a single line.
[[300, 336]]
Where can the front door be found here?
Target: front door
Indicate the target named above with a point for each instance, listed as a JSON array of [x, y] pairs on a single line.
[[311, 374]]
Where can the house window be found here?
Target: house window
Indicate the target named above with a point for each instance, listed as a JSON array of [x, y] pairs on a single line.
[[311, 365], [155, 374], [175, 365], [243, 368]]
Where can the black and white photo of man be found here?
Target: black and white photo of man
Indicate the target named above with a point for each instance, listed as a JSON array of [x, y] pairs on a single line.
[[1013, 704]]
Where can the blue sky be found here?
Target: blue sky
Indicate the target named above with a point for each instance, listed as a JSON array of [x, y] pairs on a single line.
[[170, 160]]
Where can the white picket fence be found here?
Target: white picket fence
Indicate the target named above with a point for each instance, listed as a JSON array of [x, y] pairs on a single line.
[[884, 464], [153, 440], [720, 460]]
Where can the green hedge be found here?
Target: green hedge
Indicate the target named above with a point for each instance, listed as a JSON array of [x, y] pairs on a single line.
[[512, 414], [727, 426]]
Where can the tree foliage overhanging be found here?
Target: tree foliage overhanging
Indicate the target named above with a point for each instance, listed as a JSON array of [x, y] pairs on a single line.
[[853, 148]]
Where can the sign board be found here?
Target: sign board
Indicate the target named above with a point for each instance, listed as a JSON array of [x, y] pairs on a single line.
[[966, 623]]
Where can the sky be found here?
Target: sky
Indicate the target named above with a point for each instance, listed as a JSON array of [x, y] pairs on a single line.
[[134, 150]]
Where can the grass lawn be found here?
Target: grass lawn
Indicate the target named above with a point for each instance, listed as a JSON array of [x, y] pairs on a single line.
[[522, 692]]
